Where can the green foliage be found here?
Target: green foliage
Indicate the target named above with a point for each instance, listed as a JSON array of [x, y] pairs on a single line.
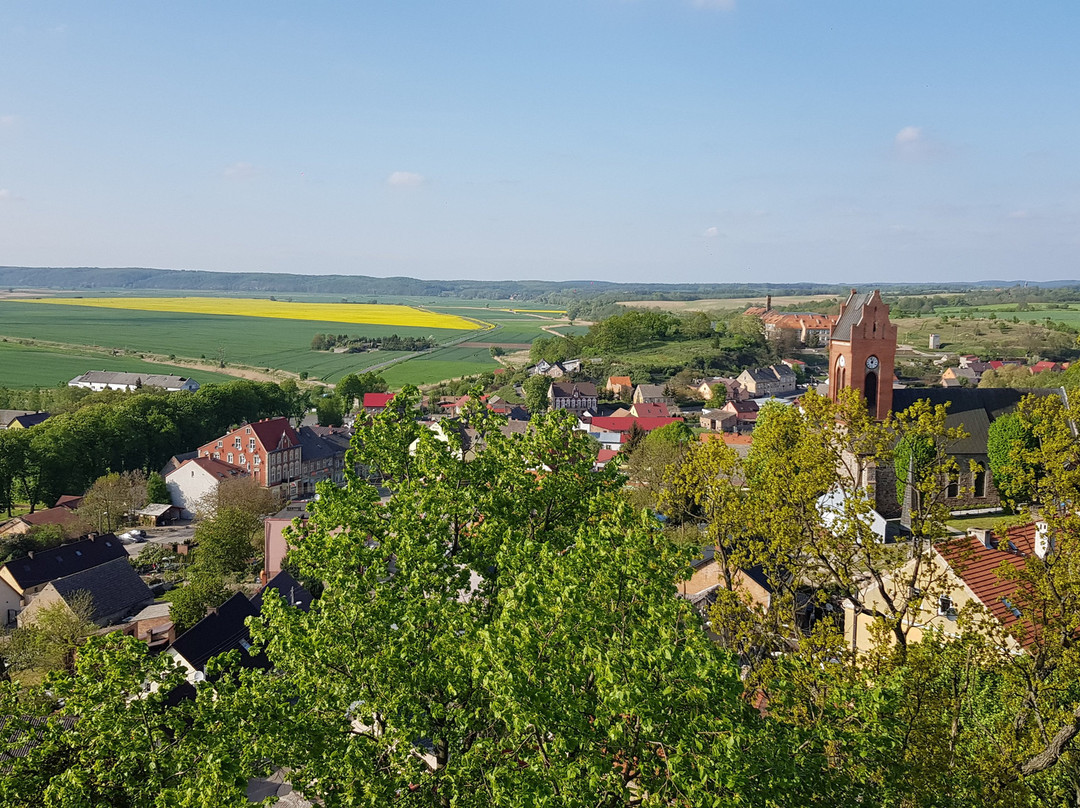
[[50, 641], [204, 590], [156, 490], [226, 542], [913, 455], [354, 386], [1008, 440], [330, 411], [536, 393]]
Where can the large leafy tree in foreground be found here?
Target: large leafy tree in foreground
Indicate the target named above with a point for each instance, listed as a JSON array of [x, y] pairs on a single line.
[[504, 630]]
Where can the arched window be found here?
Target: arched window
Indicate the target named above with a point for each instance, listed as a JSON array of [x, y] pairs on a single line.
[[870, 390]]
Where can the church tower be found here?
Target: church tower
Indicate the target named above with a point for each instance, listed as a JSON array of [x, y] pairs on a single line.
[[862, 352]]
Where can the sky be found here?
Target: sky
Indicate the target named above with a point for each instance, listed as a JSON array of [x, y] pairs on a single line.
[[627, 140]]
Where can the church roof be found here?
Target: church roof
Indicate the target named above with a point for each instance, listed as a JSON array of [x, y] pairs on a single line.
[[851, 316], [973, 408]]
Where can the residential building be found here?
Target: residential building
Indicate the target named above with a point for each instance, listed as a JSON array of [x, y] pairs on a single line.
[[196, 479], [22, 578], [731, 389], [805, 327], [115, 590], [649, 410], [602, 424], [269, 450], [652, 394], [68, 520], [99, 380], [718, 420], [577, 397], [616, 385], [28, 420], [322, 456], [6, 416], [374, 403], [773, 380], [745, 412], [274, 545], [958, 572]]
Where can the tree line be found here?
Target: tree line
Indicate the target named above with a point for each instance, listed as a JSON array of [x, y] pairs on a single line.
[[355, 344], [126, 432]]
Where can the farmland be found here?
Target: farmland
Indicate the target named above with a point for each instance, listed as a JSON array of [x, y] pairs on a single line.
[[352, 313], [101, 326], [23, 366]]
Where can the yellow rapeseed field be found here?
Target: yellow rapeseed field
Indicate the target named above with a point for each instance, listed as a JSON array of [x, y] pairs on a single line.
[[358, 313]]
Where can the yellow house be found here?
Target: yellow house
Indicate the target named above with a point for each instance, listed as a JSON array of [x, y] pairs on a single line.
[[956, 573]]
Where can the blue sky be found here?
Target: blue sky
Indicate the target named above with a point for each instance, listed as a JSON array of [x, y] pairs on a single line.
[[632, 140]]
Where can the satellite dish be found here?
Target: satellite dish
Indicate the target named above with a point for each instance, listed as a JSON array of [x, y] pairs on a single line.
[[199, 676]]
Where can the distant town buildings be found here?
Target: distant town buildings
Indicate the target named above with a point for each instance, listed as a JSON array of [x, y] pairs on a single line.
[[98, 380]]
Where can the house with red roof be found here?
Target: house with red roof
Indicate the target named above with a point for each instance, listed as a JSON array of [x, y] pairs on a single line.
[[961, 572], [649, 410], [269, 450], [374, 403], [609, 424], [1046, 367]]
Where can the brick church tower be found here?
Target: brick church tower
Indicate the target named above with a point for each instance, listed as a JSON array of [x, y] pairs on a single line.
[[862, 351]]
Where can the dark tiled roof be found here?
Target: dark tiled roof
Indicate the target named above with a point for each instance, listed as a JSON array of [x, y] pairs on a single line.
[[67, 559], [114, 586], [567, 390], [851, 316], [20, 736], [177, 460], [27, 421], [973, 408], [314, 446], [289, 588], [220, 631]]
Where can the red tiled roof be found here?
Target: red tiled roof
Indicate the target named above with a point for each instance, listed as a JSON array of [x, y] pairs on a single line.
[[1039, 367], [620, 380], [650, 410], [218, 468], [608, 424], [734, 439], [271, 430], [64, 517], [604, 455], [977, 566], [379, 400]]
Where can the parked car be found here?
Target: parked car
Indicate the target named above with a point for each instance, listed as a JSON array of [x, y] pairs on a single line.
[[133, 536]]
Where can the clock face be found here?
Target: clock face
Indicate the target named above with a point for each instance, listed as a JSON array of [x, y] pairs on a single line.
[[872, 363]]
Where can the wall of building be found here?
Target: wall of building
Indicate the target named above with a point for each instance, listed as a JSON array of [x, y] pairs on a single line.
[[189, 484]]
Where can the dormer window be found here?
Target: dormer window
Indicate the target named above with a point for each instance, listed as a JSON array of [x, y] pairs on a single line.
[[945, 607]]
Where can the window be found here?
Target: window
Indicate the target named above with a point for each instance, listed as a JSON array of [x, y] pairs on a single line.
[[243, 460], [217, 456], [953, 490], [236, 443], [980, 483], [258, 460], [230, 457], [219, 444], [945, 607], [251, 444]]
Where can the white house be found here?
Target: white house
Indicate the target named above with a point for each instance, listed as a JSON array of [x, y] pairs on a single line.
[[98, 380], [196, 478]]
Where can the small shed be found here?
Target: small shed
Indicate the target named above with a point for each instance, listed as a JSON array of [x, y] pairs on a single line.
[[157, 514]]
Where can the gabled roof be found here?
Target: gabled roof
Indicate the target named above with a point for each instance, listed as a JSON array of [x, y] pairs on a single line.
[[27, 421], [851, 316], [619, 380], [973, 408], [569, 390], [377, 400], [289, 588], [652, 390], [608, 424], [114, 587], [977, 565], [315, 446], [68, 501], [649, 410], [48, 565], [62, 516], [217, 468], [220, 631], [275, 433], [7, 415], [132, 379]]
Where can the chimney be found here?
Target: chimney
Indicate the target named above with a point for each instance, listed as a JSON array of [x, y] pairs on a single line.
[[984, 537], [1044, 542], [768, 302], [30, 554]]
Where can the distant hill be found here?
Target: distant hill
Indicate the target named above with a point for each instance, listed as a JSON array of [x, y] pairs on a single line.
[[135, 278]]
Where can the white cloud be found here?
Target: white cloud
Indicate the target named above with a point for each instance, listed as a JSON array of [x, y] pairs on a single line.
[[405, 179], [909, 135], [913, 143], [1019, 214], [719, 5], [711, 232], [240, 171]]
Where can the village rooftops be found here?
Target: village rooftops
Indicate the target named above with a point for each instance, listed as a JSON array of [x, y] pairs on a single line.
[[114, 587], [67, 559], [101, 379]]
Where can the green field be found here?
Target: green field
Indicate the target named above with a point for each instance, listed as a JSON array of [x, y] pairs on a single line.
[[446, 363], [255, 342], [25, 366]]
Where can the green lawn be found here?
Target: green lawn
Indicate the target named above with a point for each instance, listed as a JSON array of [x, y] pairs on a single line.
[[24, 366], [447, 363]]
